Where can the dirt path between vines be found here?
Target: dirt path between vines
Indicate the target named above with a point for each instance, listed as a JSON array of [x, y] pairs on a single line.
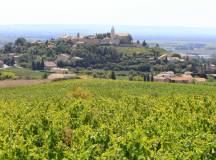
[[14, 83]]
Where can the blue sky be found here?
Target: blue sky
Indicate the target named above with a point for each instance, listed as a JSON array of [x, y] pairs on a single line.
[[187, 13]]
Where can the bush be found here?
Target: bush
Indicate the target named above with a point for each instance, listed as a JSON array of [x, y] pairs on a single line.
[[7, 75], [78, 92], [44, 76], [211, 79], [113, 76]]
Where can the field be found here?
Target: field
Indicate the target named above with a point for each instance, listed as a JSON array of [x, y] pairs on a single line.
[[15, 83], [23, 73], [203, 48], [105, 119], [131, 50]]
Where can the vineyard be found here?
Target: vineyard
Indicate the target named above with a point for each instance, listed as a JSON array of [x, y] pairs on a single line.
[[105, 119]]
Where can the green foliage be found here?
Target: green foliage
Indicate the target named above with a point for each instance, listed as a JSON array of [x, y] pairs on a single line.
[[22, 73], [95, 119], [105, 57], [131, 50], [113, 76], [38, 65], [7, 75], [8, 48], [9, 61], [44, 76], [144, 44], [20, 41], [211, 79], [103, 35]]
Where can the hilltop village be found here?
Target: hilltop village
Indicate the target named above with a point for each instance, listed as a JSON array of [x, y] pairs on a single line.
[[97, 55], [111, 38]]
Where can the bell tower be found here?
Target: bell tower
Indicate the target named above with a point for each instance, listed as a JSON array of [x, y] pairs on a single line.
[[112, 32]]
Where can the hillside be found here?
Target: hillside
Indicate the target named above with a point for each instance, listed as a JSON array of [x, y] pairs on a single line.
[[143, 50], [104, 119]]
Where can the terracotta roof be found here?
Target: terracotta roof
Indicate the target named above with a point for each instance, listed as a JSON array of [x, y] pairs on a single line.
[[182, 78], [200, 79], [160, 78], [212, 75], [49, 64]]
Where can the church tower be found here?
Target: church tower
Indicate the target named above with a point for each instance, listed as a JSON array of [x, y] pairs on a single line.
[[112, 32]]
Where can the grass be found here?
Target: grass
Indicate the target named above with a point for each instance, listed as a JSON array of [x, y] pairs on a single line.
[[131, 50], [23, 73], [108, 88]]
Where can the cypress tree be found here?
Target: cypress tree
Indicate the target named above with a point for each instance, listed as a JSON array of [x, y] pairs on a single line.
[[152, 78], [42, 64], [33, 65], [145, 78], [113, 76]]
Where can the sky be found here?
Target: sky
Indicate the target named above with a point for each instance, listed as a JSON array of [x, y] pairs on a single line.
[[185, 13]]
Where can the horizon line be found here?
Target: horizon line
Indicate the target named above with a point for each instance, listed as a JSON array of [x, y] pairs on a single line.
[[116, 25]]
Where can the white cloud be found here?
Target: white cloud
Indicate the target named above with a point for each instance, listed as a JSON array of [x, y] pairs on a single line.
[[197, 13]]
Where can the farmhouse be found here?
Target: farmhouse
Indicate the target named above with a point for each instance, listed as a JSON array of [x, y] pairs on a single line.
[[175, 59], [164, 76], [168, 74], [212, 75], [161, 79], [211, 67], [171, 77], [48, 65], [182, 79], [199, 79], [59, 70], [171, 59], [163, 57]]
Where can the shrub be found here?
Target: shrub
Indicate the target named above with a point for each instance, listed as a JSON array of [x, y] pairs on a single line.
[[78, 92], [44, 76], [67, 135], [7, 75]]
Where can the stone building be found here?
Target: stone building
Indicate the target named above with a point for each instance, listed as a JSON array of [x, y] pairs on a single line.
[[121, 38]]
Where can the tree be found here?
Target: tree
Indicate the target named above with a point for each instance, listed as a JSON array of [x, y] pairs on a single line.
[[152, 78], [8, 48], [144, 44], [130, 39], [113, 76], [145, 78], [130, 78], [33, 65], [138, 42], [38, 65], [42, 64], [156, 54], [20, 41], [12, 61], [45, 75]]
